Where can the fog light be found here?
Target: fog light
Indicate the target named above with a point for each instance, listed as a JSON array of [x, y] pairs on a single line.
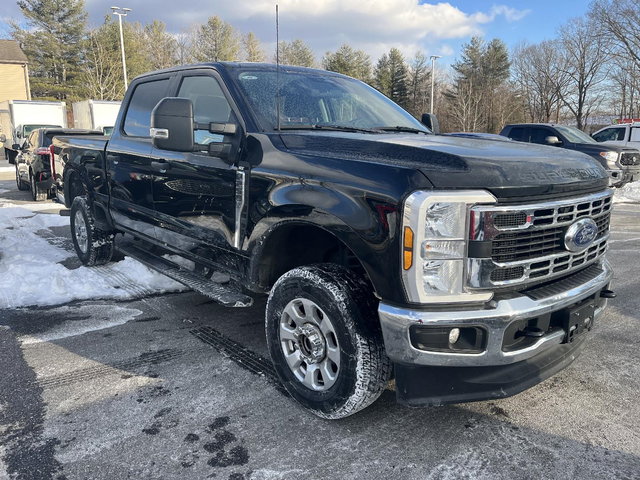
[[454, 335]]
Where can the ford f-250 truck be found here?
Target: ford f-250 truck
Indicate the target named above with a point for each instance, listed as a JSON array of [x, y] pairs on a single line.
[[471, 268]]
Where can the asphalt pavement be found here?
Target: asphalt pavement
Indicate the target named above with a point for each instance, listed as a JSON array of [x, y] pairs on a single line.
[[176, 387]]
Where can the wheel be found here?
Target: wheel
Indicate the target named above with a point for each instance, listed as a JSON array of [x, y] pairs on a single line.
[[37, 193], [21, 184], [93, 246], [325, 341]]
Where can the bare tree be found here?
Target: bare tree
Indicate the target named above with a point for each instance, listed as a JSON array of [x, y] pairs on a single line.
[[539, 72], [618, 20], [585, 67], [102, 72]]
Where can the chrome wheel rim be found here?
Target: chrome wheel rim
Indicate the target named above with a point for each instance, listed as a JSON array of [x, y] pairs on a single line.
[[80, 229], [310, 344]]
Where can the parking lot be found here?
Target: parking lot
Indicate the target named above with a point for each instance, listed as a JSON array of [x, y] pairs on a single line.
[[174, 386]]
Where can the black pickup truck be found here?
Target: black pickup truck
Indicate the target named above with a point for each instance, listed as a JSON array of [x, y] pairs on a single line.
[[622, 163], [471, 268]]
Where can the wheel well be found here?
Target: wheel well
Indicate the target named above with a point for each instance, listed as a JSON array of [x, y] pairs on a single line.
[[295, 245], [75, 188]]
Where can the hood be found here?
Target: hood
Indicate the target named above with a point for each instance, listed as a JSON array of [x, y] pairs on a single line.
[[596, 148], [507, 169]]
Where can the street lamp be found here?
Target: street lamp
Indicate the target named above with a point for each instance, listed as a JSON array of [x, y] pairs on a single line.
[[433, 76], [122, 12]]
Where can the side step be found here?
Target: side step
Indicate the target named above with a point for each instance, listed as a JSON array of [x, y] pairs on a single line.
[[219, 293]]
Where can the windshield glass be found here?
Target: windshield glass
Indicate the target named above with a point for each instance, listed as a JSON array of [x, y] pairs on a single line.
[[574, 135], [30, 128], [315, 99]]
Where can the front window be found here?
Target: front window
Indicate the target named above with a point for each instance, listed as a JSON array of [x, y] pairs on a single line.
[[315, 99], [610, 135], [574, 135]]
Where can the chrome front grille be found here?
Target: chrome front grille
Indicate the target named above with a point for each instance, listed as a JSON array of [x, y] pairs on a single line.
[[528, 242]]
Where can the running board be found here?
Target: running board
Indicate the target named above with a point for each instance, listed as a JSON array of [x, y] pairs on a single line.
[[219, 293]]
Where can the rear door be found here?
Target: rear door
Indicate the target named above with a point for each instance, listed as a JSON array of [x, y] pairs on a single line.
[[128, 158], [194, 193]]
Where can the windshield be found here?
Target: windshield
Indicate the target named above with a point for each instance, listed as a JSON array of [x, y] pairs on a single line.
[[30, 128], [574, 135], [316, 99]]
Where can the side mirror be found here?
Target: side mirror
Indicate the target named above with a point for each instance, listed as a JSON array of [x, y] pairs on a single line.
[[430, 121], [172, 125], [552, 140]]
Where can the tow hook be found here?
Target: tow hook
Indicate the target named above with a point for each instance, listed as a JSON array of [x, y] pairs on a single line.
[[534, 332], [608, 294]]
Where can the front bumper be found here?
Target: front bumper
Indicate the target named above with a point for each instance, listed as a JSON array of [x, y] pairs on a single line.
[[495, 319], [624, 175], [435, 377]]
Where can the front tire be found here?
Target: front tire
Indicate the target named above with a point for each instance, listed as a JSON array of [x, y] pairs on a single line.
[[325, 341], [93, 246]]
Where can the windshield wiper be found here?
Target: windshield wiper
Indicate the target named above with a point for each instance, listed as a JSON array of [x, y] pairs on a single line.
[[336, 128], [400, 128]]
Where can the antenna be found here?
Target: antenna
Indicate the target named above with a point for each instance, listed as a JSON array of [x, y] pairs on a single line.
[[277, 71]]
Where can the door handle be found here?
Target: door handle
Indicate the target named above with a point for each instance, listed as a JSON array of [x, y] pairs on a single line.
[[113, 158], [160, 166]]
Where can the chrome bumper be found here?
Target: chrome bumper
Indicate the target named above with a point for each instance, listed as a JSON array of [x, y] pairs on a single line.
[[495, 320]]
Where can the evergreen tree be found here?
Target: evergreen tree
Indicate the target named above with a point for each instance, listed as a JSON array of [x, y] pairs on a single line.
[[346, 60], [216, 41], [161, 47], [390, 77], [52, 42], [252, 49], [419, 83], [297, 53]]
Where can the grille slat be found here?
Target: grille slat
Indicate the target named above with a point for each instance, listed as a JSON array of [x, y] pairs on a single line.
[[528, 242]]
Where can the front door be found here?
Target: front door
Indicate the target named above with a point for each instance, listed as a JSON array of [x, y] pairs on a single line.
[[128, 160], [194, 193]]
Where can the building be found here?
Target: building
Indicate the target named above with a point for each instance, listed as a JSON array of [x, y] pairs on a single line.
[[14, 72]]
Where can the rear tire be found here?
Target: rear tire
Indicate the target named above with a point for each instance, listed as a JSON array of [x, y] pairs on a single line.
[[93, 246], [325, 341], [19, 182], [37, 193]]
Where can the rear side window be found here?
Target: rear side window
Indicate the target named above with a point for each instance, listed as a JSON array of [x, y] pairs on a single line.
[[635, 134], [517, 134], [145, 97]]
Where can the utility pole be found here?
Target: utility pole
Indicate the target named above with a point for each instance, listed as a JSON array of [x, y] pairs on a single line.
[[433, 77], [122, 12]]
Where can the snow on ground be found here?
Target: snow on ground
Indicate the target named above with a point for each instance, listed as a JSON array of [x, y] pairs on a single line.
[[630, 193], [31, 275]]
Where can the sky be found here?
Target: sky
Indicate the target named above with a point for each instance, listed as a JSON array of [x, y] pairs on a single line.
[[372, 25]]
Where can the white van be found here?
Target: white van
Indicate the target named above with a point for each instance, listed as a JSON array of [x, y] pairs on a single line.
[[95, 115], [18, 118]]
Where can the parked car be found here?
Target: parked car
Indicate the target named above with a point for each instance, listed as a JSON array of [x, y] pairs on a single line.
[[472, 268], [33, 163], [622, 163], [18, 118], [623, 135]]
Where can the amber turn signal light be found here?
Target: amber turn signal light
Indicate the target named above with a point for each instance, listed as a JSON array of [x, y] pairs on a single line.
[[408, 248]]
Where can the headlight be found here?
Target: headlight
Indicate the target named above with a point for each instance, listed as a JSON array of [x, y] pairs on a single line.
[[611, 158], [435, 234]]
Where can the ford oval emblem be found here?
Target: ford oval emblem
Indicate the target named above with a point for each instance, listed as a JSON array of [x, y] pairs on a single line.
[[580, 235]]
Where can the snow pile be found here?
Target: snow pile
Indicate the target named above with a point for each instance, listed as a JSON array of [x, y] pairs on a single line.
[[630, 193], [31, 275]]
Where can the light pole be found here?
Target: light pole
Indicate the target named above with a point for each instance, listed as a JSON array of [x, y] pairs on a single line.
[[433, 77], [122, 12]]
